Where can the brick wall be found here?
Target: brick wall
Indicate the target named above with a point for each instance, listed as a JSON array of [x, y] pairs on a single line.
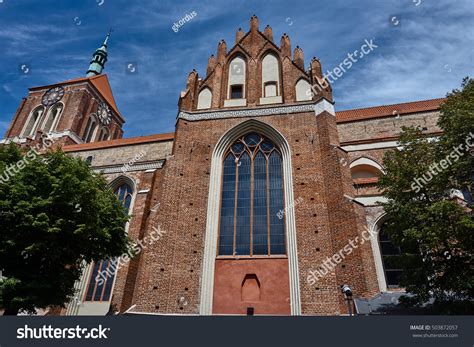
[[147, 183], [379, 128], [325, 220]]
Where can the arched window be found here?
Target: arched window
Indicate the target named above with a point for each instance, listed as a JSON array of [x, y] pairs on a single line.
[[303, 90], [236, 80], [252, 217], [90, 130], [116, 133], [104, 135], [32, 122], [89, 159], [124, 194], [391, 255], [270, 76], [106, 269], [204, 99], [365, 171], [52, 119]]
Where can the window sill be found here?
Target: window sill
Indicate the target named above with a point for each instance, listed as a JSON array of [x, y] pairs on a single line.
[[365, 180], [249, 257], [271, 100], [235, 102], [395, 290]]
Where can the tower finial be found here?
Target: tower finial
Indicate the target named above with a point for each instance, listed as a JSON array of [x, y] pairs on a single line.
[[99, 58], [107, 37]]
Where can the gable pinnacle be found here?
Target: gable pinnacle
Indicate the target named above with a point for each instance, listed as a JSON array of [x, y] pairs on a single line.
[[238, 35], [254, 23]]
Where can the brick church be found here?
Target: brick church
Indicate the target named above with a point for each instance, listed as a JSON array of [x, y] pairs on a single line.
[[260, 184]]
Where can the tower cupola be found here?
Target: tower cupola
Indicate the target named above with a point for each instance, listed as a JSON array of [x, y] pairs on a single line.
[[99, 58]]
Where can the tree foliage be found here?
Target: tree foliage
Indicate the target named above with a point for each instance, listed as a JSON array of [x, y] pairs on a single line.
[[55, 214], [434, 230]]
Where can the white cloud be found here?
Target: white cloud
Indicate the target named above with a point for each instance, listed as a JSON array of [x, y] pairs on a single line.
[[425, 58]]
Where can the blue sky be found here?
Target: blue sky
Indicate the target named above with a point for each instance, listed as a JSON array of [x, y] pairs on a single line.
[[426, 55]]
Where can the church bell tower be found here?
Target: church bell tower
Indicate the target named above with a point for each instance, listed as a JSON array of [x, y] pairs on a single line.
[[74, 111]]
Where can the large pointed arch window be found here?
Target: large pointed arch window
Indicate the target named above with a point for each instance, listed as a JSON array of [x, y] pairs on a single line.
[[106, 269], [251, 216], [391, 255]]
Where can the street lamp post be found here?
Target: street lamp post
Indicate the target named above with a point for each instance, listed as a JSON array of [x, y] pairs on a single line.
[[347, 291]]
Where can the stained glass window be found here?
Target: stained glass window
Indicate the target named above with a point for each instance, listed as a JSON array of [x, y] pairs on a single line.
[[105, 270], [251, 221]]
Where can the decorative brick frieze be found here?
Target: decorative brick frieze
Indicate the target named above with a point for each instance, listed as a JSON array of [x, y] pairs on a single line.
[[135, 167], [318, 107]]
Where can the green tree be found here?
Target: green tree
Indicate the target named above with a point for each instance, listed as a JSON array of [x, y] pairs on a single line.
[[55, 214], [435, 232], [457, 122]]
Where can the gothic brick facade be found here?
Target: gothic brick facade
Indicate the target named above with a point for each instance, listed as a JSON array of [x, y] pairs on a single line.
[[330, 162]]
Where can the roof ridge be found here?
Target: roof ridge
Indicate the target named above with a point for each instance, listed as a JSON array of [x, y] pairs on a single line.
[[380, 111], [388, 105], [119, 142]]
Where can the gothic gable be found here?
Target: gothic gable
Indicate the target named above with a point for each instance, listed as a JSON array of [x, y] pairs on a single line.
[[254, 72]]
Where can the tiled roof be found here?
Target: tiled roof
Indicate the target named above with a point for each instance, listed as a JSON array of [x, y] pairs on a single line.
[[119, 142], [100, 82], [388, 110], [341, 116]]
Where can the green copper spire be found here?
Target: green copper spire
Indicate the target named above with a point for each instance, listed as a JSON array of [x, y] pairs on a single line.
[[99, 59]]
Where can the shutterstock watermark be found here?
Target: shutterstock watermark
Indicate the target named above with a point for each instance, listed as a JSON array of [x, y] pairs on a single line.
[[333, 75], [443, 164], [121, 261], [48, 332], [330, 263], [29, 157]]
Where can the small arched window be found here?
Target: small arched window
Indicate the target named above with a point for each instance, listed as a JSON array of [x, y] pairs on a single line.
[[116, 133], [270, 76], [303, 90], [89, 159], [52, 118], [237, 78], [365, 173], [106, 269], [391, 255], [204, 99], [104, 135], [33, 121], [124, 194], [252, 214], [365, 170], [90, 130]]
